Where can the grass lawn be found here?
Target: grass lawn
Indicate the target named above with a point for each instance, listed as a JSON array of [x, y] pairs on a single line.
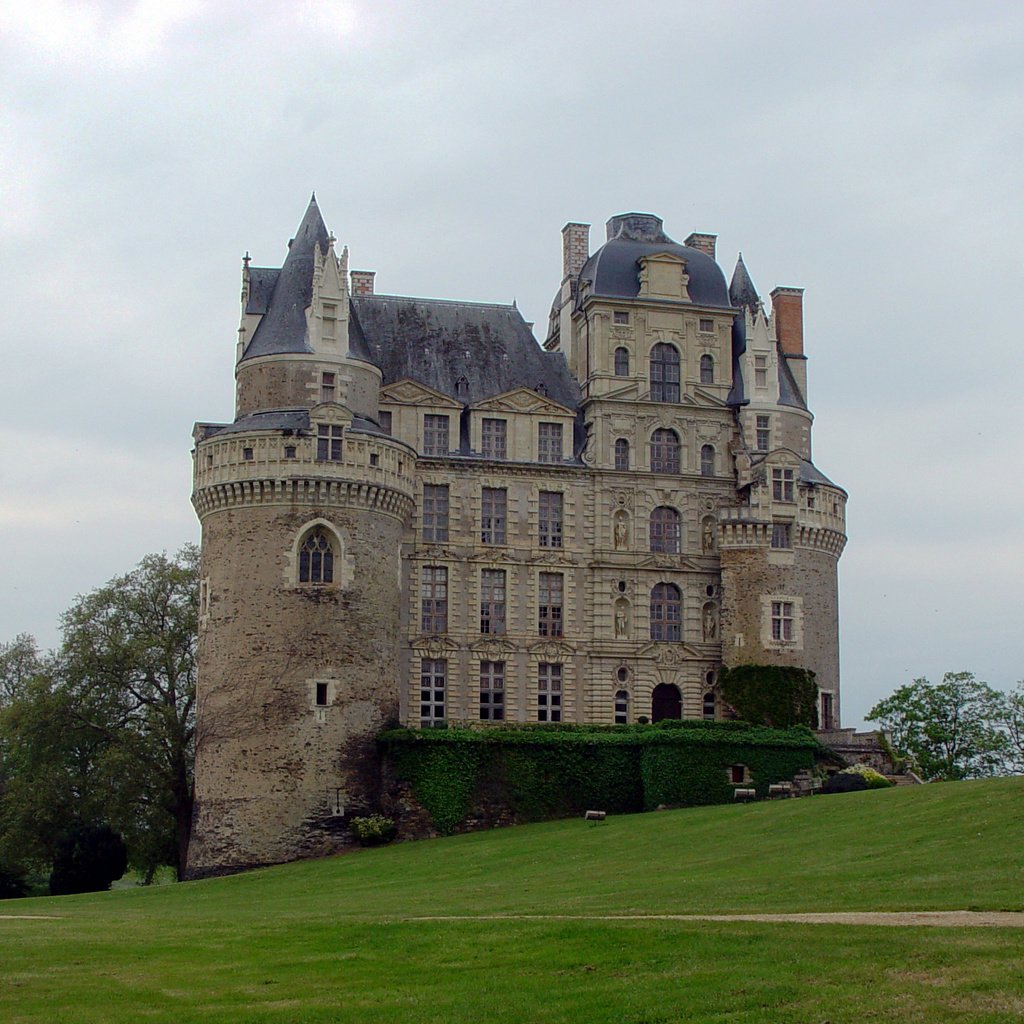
[[339, 940]]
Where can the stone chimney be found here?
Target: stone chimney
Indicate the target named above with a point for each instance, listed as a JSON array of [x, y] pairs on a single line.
[[575, 248], [788, 312], [704, 243], [362, 282]]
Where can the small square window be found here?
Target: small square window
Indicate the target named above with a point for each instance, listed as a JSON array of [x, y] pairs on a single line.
[[706, 325], [247, 454], [289, 451], [374, 459], [620, 317]]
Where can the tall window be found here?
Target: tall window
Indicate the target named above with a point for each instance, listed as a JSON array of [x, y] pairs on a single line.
[[781, 535], [782, 484], [328, 443], [492, 691], [316, 558], [549, 442], [664, 451], [621, 362], [434, 599], [621, 453], [549, 604], [328, 388], [664, 373], [433, 682], [549, 692], [549, 519], [493, 515], [665, 530], [707, 369], [764, 433], [435, 435], [622, 707], [384, 419], [492, 601], [782, 620], [329, 319], [494, 439], [435, 513], [666, 612], [708, 705], [707, 460], [760, 371]]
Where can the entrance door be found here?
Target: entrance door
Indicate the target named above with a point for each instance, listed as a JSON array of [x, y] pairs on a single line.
[[666, 702]]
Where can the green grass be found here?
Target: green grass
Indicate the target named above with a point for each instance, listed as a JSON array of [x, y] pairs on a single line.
[[338, 940]]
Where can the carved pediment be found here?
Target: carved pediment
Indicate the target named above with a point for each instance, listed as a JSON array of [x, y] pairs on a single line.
[[412, 392], [522, 400], [330, 412], [493, 648], [553, 650], [669, 653], [434, 646]]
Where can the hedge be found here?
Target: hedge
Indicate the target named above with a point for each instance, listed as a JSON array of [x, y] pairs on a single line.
[[537, 772]]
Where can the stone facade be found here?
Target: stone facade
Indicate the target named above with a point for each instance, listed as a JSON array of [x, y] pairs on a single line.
[[419, 515]]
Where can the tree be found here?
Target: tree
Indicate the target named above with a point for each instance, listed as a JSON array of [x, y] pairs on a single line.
[[950, 730], [88, 859], [1013, 725], [20, 662]]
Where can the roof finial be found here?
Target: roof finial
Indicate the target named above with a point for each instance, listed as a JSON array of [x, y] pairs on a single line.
[[312, 197]]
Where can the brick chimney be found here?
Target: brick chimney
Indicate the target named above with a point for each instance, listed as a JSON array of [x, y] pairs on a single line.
[[788, 311], [362, 282], [575, 248], [705, 243]]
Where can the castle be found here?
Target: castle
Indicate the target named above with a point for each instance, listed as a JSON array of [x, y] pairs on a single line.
[[421, 515]]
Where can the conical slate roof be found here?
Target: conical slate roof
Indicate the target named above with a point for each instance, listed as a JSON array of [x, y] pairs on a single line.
[[742, 293], [283, 327]]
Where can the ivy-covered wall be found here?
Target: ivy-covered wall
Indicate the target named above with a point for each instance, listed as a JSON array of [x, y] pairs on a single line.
[[462, 777]]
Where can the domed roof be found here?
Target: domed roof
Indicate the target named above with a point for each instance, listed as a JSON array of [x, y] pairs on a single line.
[[613, 270]]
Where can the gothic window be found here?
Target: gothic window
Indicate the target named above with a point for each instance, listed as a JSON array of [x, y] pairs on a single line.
[[782, 484], [664, 451], [328, 387], [494, 439], [621, 362], [707, 460], [549, 692], [328, 443], [549, 519], [760, 371], [782, 621], [462, 387], [781, 535], [316, 558], [435, 435], [549, 442], [492, 602], [549, 604], [433, 683], [621, 453], [664, 373], [435, 513], [493, 515], [329, 319], [492, 691], [764, 433], [665, 530], [666, 612], [622, 707], [707, 369], [384, 419], [434, 599]]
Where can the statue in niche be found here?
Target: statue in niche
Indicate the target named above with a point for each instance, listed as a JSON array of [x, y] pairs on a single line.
[[621, 531], [621, 618], [710, 622], [707, 540]]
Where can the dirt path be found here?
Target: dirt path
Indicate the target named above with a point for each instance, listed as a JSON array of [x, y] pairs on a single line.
[[890, 919]]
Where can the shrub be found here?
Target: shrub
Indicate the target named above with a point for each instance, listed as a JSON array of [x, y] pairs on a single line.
[[374, 829], [845, 782], [88, 859], [12, 883], [776, 695], [874, 779]]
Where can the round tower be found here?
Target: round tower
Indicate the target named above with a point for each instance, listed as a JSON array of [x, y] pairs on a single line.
[[302, 501]]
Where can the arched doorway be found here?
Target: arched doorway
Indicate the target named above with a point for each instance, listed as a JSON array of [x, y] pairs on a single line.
[[666, 702]]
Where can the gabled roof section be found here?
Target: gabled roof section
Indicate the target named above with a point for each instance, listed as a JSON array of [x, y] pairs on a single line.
[[490, 348], [789, 390], [412, 392], [523, 400], [742, 293], [286, 294]]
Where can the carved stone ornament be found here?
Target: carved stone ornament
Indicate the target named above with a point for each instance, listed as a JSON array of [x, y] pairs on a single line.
[[709, 622], [434, 647], [621, 531], [708, 535], [621, 619]]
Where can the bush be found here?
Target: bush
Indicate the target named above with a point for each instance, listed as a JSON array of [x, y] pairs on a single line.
[[874, 779], [12, 883], [373, 830], [845, 782], [88, 859]]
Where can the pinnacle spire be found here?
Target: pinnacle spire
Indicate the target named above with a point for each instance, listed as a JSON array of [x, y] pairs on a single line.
[[742, 292]]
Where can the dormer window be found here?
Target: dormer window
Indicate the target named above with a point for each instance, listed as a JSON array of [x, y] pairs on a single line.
[[328, 443], [760, 371], [462, 388], [329, 317], [782, 484], [620, 317], [328, 387], [541, 389], [664, 373]]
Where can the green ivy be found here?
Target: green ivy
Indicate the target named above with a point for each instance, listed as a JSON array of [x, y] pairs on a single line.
[[538, 772], [775, 695]]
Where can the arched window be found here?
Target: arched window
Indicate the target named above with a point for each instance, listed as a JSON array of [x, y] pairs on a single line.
[[621, 707], [462, 387], [664, 373], [621, 453], [316, 558], [664, 451], [707, 460], [621, 362], [665, 530], [666, 612], [707, 369]]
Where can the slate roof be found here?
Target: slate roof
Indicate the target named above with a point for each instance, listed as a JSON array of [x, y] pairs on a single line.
[[613, 270], [437, 343], [295, 421], [742, 293]]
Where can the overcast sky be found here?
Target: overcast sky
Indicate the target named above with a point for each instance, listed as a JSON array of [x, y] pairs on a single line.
[[869, 152]]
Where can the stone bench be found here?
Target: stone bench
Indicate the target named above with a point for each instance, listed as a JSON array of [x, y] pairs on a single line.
[[744, 794], [780, 790], [595, 815]]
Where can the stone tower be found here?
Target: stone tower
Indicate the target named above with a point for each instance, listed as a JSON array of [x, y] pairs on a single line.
[[302, 500]]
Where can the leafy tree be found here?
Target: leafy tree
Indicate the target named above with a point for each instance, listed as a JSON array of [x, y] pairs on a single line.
[[1012, 718], [949, 730], [88, 859], [20, 662]]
